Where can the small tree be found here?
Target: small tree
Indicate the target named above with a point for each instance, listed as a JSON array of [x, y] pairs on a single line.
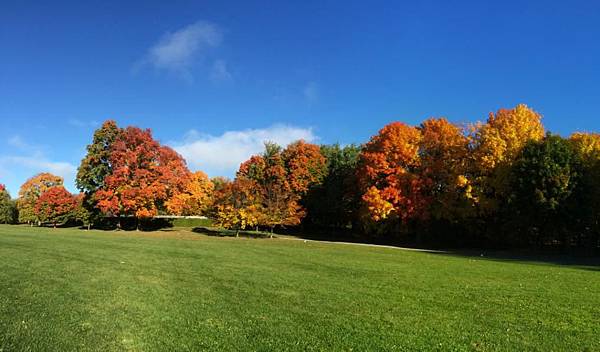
[[83, 213], [237, 205], [31, 191], [55, 206], [8, 208]]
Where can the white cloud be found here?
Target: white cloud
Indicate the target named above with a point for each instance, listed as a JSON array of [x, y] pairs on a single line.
[[179, 50], [28, 160], [38, 163], [311, 93], [222, 155], [219, 72]]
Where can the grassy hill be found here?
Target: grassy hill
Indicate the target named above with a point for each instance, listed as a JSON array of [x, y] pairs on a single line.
[[67, 289]]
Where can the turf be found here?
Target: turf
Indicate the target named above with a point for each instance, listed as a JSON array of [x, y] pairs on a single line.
[[72, 290]]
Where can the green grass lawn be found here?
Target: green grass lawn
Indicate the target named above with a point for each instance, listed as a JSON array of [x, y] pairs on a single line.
[[68, 289]]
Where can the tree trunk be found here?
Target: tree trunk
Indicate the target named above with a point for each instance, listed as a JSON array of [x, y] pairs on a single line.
[[237, 232], [89, 226]]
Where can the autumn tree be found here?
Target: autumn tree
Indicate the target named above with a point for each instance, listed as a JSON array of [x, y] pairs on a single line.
[[237, 204], [305, 165], [280, 204], [496, 144], [388, 174], [8, 208], [196, 197], [55, 205], [96, 166], [444, 152], [144, 175], [277, 200], [31, 191]]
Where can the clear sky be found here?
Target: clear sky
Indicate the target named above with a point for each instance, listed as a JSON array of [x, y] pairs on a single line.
[[215, 78]]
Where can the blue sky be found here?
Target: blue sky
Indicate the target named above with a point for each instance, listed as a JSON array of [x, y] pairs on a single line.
[[215, 78]]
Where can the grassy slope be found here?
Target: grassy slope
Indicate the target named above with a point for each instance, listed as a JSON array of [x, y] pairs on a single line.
[[74, 290]]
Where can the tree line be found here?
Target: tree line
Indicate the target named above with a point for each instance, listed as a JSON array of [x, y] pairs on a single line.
[[505, 182]]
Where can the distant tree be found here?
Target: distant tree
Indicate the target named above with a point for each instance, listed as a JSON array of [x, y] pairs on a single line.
[[196, 197], [83, 213], [144, 176], [96, 166], [278, 203], [390, 184], [444, 164], [29, 193], [586, 202], [305, 165], [496, 144], [543, 181], [237, 204], [56, 205], [334, 202], [8, 207]]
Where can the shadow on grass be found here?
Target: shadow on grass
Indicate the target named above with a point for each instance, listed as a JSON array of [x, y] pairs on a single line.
[[211, 231], [578, 261], [586, 260]]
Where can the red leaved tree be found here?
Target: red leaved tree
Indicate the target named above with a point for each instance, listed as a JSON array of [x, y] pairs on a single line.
[[56, 205], [144, 175]]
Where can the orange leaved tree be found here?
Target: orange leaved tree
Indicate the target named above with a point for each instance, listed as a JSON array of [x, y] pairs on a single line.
[[31, 191], [56, 205], [144, 175], [196, 197], [388, 172]]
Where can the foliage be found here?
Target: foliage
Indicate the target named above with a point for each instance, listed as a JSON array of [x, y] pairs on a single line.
[[8, 207], [543, 180], [94, 168], [56, 205], [443, 153], [144, 175], [82, 212], [237, 204], [333, 202], [96, 164], [305, 165], [196, 197], [496, 145], [389, 179], [29, 193], [408, 183]]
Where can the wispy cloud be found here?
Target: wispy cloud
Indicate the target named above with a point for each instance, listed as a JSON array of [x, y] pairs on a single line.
[[311, 93], [220, 73], [18, 142], [178, 51], [27, 159], [222, 155]]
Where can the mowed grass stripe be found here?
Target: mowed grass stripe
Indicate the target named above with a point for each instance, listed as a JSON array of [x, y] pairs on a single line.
[[67, 289]]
